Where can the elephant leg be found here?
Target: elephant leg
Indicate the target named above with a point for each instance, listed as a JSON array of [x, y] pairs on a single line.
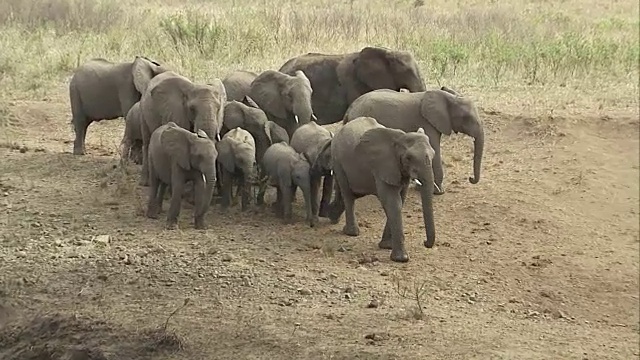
[[438, 172], [315, 189], [80, 125], [327, 187], [348, 198], [177, 188], [152, 205], [287, 202], [386, 242], [262, 188], [162, 188], [277, 206], [245, 185], [200, 209], [146, 136], [391, 199], [227, 188], [336, 208]]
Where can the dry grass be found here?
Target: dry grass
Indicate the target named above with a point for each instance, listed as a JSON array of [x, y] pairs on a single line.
[[469, 44]]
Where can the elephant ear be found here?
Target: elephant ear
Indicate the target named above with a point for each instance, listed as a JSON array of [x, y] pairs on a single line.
[[266, 90], [225, 154], [377, 147], [247, 100], [267, 130], [450, 91], [301, 75], [278, 133], [323, 160], [221, 91], [142, 73], [174, 140], [434, 107], [372, 68]]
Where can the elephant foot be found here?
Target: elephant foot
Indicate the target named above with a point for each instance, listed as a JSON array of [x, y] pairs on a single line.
[[351, 230], [199, 224], [143, 182], [152, 213], [79, 151], [399, 255], [288, 221], [313, 221], [385, 244], [171, 225]]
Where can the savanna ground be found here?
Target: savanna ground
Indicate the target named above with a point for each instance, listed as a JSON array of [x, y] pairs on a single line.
[[537, 261]]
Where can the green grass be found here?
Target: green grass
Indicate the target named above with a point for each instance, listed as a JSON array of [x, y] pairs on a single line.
[[468, 43]]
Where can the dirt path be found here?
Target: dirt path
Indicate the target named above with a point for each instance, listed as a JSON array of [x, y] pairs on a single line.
[[538, 260]]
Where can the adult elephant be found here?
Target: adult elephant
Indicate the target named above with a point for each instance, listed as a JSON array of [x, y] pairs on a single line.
[[371, 159], [338, 79], [437, 111], [286, 99], [173, 97], [238, 84], [102, 90]]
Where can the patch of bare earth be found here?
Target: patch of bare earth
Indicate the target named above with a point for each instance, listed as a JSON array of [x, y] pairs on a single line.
[[538, 260]]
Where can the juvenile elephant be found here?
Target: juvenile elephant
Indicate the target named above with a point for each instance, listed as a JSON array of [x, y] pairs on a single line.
[[173, 97], [371, 159], [287, 170], [247, 115], [314, 142], [131, 144], [338, 79], [238, 84], [176, 156], [102, 90], [237, 155], [437, 111], [286, 99]]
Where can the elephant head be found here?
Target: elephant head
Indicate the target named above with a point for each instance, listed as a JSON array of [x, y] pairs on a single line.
[[447, 111], [380, 68], [396, 157], [205, 105], [238, 153], [143, 70], [284, 98], [251, 118], [193, 151]]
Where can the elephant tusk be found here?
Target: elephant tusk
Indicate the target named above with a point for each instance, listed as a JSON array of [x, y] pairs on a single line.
[[418, 182], [314, 118], [296, 117], [218, 136], [437, 187], [203, 178], [331, 172]]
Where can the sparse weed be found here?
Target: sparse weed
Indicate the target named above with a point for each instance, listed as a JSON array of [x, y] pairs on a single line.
[[415, 293]]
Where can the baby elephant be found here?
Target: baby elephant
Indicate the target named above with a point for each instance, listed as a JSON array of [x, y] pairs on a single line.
[[131, 144], [176, 156], [237, 155], [286, 170]]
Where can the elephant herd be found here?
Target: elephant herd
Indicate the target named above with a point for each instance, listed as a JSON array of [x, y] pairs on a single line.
[[267, 129]]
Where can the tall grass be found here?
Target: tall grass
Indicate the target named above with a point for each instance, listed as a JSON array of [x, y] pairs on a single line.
[[487, 44]]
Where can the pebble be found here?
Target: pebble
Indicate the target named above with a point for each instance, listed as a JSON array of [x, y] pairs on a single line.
[[304, 291], [227, 257], [373, 304], [102, 239], [21, 254]]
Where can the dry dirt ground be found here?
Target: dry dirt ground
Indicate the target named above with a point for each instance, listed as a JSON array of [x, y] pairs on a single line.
[[537, 261]]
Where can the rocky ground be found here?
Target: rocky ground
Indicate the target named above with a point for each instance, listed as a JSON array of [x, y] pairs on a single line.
[[538, 260]]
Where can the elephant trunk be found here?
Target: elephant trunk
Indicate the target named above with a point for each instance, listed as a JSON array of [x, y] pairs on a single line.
[[210, 184], [306, 193], [416, 85], [478, 148], [302, 109], [426, 193]]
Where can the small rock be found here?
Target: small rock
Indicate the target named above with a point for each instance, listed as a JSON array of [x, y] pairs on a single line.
[[102, 239], [304, 291], [349, 289], [347, 296], [58, 242], [384, 273], [227, 257], [21, 254], [373, 304]]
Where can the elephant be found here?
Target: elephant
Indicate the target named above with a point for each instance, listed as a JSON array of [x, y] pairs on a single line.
[[173, 97], [314, 141], [437, 111], [131, 144], [237, 155], [238, 84], [247, 115], [177, 155], [286, 99], [287, 170], [102, 90], [371, 159], [338, 79]]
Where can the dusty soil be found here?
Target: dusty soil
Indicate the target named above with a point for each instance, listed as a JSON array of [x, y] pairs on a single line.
[[537, 261]]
